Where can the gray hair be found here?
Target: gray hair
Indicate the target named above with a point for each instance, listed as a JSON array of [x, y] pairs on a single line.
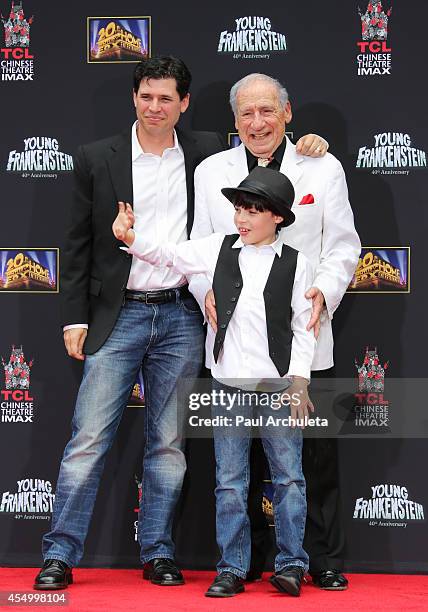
[[251, 78]]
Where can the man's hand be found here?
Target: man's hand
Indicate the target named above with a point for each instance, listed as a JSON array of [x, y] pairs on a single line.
[[317, 298], [312, 145], [73, 340], [123, 223], [300, 404], [210, 310]]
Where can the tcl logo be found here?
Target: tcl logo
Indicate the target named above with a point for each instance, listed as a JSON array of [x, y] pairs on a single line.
[[16, 53]]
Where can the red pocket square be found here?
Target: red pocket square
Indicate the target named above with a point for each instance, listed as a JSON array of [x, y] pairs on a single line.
[[307, 199]]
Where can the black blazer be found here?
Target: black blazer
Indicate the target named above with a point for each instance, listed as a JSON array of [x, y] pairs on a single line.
[[94, 271]]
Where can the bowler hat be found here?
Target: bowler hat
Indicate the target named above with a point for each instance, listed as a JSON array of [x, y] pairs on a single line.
[[271, 185]]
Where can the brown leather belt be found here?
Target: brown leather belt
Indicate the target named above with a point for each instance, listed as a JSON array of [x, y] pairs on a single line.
[[160, 296]]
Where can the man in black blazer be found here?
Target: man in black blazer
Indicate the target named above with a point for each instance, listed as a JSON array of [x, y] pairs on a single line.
[[119, 315]]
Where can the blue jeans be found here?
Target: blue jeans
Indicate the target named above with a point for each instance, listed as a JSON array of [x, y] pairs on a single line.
[[283, 450], [167, 341]]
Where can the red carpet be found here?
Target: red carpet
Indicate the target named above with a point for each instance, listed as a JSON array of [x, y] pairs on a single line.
[[112, 590]]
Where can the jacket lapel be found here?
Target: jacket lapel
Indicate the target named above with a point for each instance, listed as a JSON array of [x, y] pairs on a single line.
[[120, 166], [292, 163], [191, 159], [237, 166]]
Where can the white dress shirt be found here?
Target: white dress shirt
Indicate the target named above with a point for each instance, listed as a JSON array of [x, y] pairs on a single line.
[[245, 353], [160, 207]]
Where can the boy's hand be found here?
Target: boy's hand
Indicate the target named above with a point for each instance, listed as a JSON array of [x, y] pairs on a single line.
[[123, 223], [300, 404]]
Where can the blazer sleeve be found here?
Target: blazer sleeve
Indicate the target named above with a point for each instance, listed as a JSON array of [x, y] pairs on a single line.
[[341, 245], [76, 256]]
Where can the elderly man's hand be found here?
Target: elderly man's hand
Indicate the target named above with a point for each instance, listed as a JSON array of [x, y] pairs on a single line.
[[210, 309], [312, 145], [317, 298]]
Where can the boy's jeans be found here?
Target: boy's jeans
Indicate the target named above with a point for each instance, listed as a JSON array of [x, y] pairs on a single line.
[[283, 449]]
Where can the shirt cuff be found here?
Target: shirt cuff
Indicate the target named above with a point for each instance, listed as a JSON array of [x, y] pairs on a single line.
[[75, 326], [297, 368]]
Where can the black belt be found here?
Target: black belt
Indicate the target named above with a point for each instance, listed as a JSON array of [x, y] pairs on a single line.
[[160, 296]]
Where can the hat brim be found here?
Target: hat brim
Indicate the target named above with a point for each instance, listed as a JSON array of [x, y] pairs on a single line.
[[231, 192]]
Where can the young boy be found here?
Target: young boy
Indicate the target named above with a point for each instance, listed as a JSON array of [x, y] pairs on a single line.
[[259, 287]]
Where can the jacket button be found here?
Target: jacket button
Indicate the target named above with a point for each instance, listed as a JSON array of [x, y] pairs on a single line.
[[237, 285], [233, 299], [228, 312], [223, 326]]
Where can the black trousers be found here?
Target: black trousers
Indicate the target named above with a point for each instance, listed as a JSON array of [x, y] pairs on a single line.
[[324, 535]]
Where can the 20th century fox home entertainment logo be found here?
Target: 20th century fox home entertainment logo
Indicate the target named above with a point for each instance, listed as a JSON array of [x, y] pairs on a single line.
[[16, 59]]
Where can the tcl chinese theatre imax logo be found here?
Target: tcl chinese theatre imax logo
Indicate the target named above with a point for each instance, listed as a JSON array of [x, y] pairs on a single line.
[[16, 58], [17, 402], [374, 51]]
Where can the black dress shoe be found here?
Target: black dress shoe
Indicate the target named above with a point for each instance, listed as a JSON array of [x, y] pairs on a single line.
[[163, 572], [330, 580], [225, 584], [54, 575], [289, 580]]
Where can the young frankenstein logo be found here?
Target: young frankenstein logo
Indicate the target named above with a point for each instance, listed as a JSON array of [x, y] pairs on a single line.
[[41, 158], [371, 408], [17, 403], [389, 506], [16, 59], [33, 499], [374, 55], [392, 154], [253, 36]]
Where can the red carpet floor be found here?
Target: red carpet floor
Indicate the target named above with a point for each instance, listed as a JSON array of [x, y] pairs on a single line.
[[113, 590]]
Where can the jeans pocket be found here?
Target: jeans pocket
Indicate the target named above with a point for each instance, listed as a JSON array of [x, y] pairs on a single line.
[[190, 305]]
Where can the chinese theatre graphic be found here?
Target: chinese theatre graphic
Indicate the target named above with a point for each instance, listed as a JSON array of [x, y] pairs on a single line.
[[371, 408], [16, 58], [382, 270], [374, 56], [31, 271], [136, 399], [118, 39], [17, 403]]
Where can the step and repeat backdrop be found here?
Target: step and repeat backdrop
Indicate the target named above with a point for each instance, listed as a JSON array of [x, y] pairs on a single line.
[[354, 72]]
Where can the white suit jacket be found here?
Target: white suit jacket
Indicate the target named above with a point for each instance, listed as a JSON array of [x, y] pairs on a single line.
[[323, 231]]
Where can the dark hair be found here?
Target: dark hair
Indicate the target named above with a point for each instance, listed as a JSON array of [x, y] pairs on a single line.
[[164, 67], [260, 203]]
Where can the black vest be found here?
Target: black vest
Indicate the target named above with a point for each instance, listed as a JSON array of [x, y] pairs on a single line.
[[227, 286]]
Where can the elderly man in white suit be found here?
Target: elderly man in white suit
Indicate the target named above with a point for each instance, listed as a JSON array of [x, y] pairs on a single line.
[[324, 231]]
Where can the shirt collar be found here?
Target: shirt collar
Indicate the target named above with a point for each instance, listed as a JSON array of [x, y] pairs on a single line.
[[277, 156], [275, 246], [136, 147]]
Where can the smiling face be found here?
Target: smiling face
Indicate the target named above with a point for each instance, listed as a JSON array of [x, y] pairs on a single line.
[[255, 227], [158, 106], [260, 118]]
